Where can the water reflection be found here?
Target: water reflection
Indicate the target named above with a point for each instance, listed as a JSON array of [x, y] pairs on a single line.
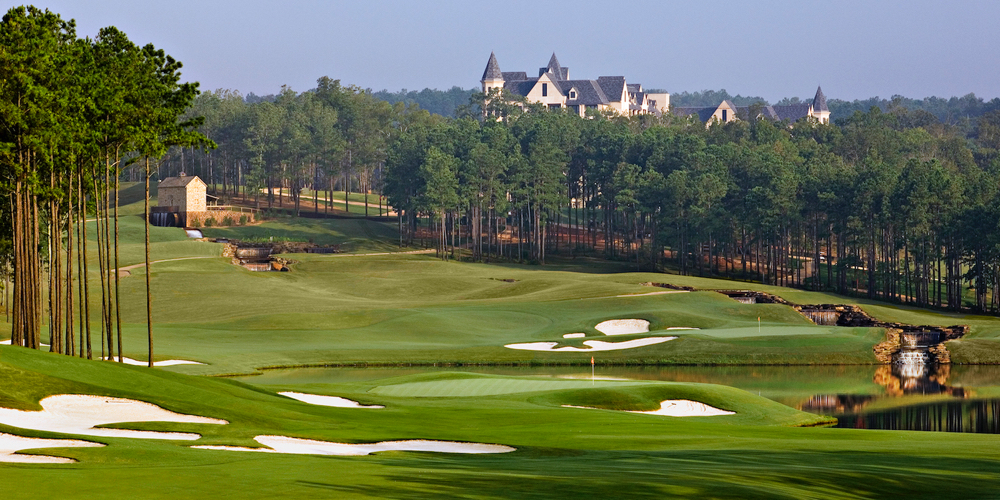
[[980, 416], [896, 396]]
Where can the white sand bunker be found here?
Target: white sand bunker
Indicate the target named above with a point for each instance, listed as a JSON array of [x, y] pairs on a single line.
[[651, 293], [296, 446], [622, 326], [337, 402], [574, 335], [676, 408], [8, 342], [166, 362], [76, 414], [595, 345], [11, 444]]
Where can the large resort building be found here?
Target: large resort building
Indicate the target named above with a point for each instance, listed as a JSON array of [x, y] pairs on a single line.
[[554, 89], [727, 111]]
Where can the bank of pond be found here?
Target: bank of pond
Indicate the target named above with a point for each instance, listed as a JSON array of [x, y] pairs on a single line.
[[951, 398]]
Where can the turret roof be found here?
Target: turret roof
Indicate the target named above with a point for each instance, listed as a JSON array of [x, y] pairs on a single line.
[[492, 69], [819, 102]]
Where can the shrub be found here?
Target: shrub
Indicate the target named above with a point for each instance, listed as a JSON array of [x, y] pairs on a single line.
[[227, 221], [243, 219], [209, 222], [195, 222]]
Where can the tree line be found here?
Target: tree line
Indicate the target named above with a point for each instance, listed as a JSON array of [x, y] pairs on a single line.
[[891, 203], [74, 113], [333, 137]]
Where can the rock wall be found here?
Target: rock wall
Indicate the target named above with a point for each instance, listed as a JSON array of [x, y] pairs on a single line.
[[218, 217]]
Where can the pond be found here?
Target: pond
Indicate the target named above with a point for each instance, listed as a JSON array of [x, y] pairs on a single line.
[[959, 398]]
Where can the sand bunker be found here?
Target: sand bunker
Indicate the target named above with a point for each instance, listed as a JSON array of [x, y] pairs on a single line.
[[686, 408], [676, 408], [595, 345], [337, 402], [651, 293], [10, 444], [166, 362], [8, 342], [76, 414], [622, 326], [574, 335], [296, 446]]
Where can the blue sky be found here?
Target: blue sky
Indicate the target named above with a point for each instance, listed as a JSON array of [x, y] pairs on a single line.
[[855, 49]]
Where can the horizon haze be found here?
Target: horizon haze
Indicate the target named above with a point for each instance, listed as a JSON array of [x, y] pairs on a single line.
[[773, 49]]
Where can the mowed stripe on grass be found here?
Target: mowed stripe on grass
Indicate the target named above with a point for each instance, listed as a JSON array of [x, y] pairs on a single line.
[[488, 386]]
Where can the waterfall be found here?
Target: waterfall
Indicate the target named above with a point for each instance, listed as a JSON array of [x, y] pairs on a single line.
[[827, 318]]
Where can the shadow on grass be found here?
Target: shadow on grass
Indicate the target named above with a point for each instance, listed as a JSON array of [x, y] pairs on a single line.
[[687, 474]]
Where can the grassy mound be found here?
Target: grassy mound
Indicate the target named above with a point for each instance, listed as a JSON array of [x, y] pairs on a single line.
[[577, 451]]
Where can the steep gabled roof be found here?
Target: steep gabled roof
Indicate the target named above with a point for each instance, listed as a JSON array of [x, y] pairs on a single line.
[[612, 87], [492, 69], [514, 76], [819, 102], [703, 113], [173, 182], [520, 87], [635, 87], [792, 112], [589, 93], [765, 111]]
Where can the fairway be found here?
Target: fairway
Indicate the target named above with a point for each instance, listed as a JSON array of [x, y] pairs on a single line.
[[406, 310], [486, 386]]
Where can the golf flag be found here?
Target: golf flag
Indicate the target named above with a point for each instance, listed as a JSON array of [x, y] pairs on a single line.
[[591, 361]]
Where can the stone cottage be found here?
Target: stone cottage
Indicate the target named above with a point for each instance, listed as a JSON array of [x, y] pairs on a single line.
[[178, 199]]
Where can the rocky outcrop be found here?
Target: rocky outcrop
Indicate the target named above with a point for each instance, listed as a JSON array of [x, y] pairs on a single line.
[[669, 286], [885, 350], [897, 334]]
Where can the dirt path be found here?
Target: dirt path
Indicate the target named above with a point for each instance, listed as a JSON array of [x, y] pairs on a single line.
[[125, 271], [371, 206], [411, 252]]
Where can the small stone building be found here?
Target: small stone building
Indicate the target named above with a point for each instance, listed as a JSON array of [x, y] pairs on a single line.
[[177, 197]]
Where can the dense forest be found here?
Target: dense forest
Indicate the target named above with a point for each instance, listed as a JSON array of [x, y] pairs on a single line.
[[74, 114], [898, 200], [892, 203], [440, 102], [955, 110]]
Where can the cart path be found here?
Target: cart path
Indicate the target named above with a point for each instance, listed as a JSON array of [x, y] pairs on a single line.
[[124, 271]]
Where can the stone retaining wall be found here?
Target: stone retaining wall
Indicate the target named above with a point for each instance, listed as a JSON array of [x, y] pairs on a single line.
[[218, 217]]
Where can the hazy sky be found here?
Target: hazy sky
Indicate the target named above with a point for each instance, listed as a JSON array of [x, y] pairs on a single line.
[[855, 49]]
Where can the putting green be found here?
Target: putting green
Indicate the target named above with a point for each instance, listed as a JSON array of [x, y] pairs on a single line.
[[463, 387], [605, 453]]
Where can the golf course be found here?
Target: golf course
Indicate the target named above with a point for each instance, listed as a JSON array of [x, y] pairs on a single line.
[[406, 361], [536, 287]]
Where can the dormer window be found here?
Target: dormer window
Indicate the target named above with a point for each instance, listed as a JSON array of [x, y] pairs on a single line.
[[572, 94]]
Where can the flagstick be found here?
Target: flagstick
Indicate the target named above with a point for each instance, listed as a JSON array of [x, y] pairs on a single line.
[[758, 325], [591, 370]]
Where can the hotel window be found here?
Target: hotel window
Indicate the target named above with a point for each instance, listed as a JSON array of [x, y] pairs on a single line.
[[723, 115], [572, 94], [545, 89]]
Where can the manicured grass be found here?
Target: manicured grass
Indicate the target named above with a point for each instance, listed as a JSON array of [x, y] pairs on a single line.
[[560, 451], [398, 309], [353, 235], [416, 309]]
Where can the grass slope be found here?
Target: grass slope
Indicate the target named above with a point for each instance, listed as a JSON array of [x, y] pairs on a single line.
[[399, 309], [561, 451]]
